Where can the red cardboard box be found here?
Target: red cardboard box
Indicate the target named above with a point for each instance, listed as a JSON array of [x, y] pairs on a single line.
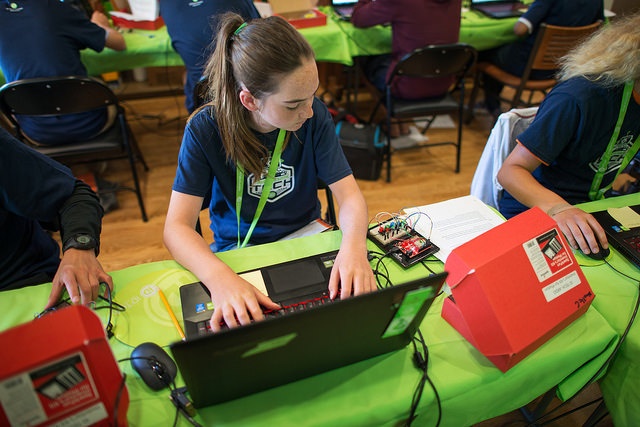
[[299, 13], [514, 287], [59, 369], [140, 25]]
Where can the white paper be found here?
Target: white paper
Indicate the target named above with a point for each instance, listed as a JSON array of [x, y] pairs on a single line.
[[141, 10], [455, 222], [264, 9]]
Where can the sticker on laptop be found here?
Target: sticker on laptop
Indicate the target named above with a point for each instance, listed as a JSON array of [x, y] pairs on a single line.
[[409, 308]]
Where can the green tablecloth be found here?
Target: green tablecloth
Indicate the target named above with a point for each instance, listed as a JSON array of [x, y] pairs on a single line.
[[338, 41], [615, 297], [376, 392]]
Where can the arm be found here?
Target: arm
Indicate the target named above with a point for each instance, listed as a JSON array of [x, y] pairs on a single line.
[[580, 228], [368, 13], [235, 300], [79, 271], [114, 40], [351, 271]]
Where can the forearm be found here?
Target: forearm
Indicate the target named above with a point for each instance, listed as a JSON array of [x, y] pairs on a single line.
[[521, 184], [353, 223]]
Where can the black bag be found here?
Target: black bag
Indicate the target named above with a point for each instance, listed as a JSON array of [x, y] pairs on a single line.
[[363, 145]]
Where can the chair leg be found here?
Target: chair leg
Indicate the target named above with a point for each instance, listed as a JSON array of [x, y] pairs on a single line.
[[388, 148], [134, 173], [136, 149]]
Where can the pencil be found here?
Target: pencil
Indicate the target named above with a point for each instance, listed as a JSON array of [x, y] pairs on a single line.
[[173, 316]]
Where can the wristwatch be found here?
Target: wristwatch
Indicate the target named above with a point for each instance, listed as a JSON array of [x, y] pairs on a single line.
[[81, 241]]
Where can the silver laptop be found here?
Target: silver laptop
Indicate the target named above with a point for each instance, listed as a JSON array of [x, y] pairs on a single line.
[[499, 9]]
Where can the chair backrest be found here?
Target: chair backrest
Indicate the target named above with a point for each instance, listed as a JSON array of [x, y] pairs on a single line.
[[553, 42], [51, 96], [434, 61]]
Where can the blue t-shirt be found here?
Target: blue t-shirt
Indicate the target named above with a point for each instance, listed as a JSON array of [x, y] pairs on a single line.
[[191, 26], [33, 188], [203, 170], [569, 135], [44, 39]]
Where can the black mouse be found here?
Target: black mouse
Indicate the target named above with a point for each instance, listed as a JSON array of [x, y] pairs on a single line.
[[154, 365], [600, 255]]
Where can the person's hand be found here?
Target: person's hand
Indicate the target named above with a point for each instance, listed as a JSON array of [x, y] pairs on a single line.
[[81, 274], [100, 19], [351, 274], [237, 302], [581, 229]]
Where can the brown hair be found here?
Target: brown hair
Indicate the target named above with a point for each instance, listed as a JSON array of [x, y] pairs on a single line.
[[256, 56]]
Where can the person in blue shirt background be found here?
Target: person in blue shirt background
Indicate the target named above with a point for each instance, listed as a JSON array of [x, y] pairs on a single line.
[[44, 39], [513, 57], [37, 195], [264, 119], [190, 24]]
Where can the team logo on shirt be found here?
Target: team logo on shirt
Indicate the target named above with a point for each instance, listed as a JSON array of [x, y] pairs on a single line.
[[283, 183], [619, 150], [195, 3]]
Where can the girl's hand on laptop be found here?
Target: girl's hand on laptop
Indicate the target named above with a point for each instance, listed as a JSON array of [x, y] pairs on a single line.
[[351, 274], [237, 302]]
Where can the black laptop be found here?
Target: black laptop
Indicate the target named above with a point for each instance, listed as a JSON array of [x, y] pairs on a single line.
[[499, 9], [237, 362], [343, 8], [623, 230]]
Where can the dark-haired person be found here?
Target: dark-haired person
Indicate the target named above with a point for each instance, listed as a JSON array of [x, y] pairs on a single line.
[[264, 121]]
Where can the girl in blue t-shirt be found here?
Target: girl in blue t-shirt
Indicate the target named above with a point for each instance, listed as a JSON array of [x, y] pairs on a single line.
[[253, 156], [574, 149]]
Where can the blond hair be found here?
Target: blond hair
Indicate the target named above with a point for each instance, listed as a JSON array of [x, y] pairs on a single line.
[[610, 57]]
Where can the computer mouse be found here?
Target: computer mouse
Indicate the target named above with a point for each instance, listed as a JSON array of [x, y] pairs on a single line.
[[600, 255], [154, 365]]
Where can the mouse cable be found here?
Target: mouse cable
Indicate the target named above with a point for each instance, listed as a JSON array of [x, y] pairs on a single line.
[[421, 361], [606, 363]]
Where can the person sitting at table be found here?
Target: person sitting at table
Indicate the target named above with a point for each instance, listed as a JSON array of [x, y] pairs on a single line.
[[573, 150], [44, 39], [414, 24], [513, 57], [38, 194], [190, 26], [264, 121]]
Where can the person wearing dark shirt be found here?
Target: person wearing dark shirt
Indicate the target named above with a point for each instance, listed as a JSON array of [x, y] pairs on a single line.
[[44, 39], [414, 24], [39, 194], [513, 57], [191, 26]]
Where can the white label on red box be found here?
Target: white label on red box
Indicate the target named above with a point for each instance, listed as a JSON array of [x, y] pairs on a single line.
[[560, 286], [49, 392], [547, 254]]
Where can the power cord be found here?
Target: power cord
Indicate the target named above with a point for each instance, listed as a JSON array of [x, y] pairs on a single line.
[[421, 361]]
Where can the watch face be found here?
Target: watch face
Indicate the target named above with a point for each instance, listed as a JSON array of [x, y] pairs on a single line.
[[84, 239]]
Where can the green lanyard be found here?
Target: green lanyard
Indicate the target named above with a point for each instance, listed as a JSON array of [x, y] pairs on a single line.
[[266, 187], [595, 192]]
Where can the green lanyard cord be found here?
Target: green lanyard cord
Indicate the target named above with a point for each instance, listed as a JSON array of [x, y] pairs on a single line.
[[595, 192], [266, 188]]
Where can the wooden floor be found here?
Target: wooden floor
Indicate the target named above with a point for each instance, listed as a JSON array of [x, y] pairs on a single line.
[[419, 176]]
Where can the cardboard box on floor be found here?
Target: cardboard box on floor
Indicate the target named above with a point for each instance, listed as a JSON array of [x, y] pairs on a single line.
[[59, 369], [300, 13], [514, 287]]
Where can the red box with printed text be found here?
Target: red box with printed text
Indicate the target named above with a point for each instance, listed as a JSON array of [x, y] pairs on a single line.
[[59, 370], [514, 287]]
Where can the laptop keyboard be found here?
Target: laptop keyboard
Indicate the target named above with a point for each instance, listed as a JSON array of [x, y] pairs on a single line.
[[634, 242], [204, 327]]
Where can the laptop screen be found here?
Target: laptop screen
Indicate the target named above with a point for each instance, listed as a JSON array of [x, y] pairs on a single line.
[[343, 2]]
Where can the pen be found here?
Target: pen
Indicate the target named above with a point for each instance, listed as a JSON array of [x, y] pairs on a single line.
[[173, 316]]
